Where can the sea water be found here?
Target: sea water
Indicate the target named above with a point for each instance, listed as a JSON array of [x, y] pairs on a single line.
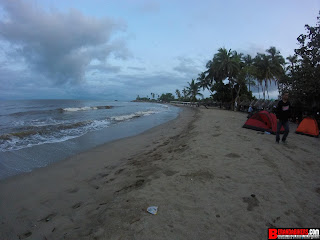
[[35, 133]]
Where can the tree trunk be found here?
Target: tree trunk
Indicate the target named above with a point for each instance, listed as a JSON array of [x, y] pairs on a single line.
[[237, 97], [231, 107], [210, 91]]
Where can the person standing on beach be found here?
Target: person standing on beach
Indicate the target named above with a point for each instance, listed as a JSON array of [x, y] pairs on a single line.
[[250, 111], [283, 113]]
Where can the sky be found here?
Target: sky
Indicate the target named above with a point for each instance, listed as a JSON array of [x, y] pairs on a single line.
[[118, 49]]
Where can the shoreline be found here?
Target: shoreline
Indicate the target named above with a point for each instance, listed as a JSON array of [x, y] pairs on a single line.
[[74, 174], [27, 159], [210, 178], [101, 147]]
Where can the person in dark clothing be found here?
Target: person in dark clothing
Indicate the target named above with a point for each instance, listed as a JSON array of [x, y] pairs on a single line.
[[283, 113]]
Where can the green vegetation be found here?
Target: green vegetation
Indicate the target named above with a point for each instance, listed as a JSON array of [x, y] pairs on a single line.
[[302, 78], [229, 75], [166, 97]]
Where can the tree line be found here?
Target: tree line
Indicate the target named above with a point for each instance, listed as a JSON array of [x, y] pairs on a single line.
[[230, 76]]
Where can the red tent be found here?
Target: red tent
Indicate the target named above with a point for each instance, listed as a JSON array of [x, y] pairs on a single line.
[[263, 121], [308, 126]]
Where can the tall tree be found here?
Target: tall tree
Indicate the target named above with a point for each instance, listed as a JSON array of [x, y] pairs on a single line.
[[185, 94], [226, 64], [303, 81], [292, 63], [249, 71], [204, 82], [268, 68], [178, 94], [193, 91], [166, 97]]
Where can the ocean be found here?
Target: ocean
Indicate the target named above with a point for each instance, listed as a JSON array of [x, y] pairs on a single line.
[[35, 133]]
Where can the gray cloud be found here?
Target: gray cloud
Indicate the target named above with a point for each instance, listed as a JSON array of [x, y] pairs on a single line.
[[187, 66], [137, 68], [252, 49], [59, 45], [26, 85], [104, 68]]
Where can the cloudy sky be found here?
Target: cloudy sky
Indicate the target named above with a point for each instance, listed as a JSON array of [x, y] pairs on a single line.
[[117, 49]]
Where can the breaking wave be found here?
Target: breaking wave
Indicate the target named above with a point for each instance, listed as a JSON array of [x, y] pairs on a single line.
[[36, 135], [61, 110], [131, 116]]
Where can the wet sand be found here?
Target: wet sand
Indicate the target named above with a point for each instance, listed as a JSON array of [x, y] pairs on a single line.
[[210, 178]]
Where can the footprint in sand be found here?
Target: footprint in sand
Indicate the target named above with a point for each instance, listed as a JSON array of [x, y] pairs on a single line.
[[110, 180], [119, 171], [25, 235], [201, 175], [73, 190], [137, 184], [233, 155], [48, 218], [156, 156], [165, 143], [181, 148], [94, 186], [276, 219], [244, 138], [169, 173], [216, 135], [103, 175], [77, 205], [252, 202], [270, 225]]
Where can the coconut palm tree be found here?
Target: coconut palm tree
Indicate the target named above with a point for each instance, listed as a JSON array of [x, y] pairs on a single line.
[[185, 93], [292, 62], [193, 91], [178, 94], [277, 62], [248, 68], [276, 58], [204, 82], [268, 68], [226, 65]]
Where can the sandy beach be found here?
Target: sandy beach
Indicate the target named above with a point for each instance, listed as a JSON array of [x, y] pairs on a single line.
[[209, 177]]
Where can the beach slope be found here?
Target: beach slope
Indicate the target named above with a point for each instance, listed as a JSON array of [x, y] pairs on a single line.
[[209, 177]]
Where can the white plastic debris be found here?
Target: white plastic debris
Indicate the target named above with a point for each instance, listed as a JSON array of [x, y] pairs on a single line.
[[152, 209]]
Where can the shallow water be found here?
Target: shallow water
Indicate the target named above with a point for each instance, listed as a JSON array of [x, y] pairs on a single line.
[[36, 133]]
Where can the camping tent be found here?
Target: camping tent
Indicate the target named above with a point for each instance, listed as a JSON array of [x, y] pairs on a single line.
[[308, 126], [263, 121]]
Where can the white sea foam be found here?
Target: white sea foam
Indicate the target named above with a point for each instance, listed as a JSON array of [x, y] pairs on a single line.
[[133, 115], [79, 109], [16, 143], [63, 134]]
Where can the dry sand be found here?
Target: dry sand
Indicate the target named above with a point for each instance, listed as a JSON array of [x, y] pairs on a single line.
[[210, 178]]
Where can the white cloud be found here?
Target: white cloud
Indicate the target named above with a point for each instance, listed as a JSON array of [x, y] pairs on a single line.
[[59, 45]]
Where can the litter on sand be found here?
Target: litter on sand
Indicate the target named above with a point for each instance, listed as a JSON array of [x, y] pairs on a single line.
[[153, 210]]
